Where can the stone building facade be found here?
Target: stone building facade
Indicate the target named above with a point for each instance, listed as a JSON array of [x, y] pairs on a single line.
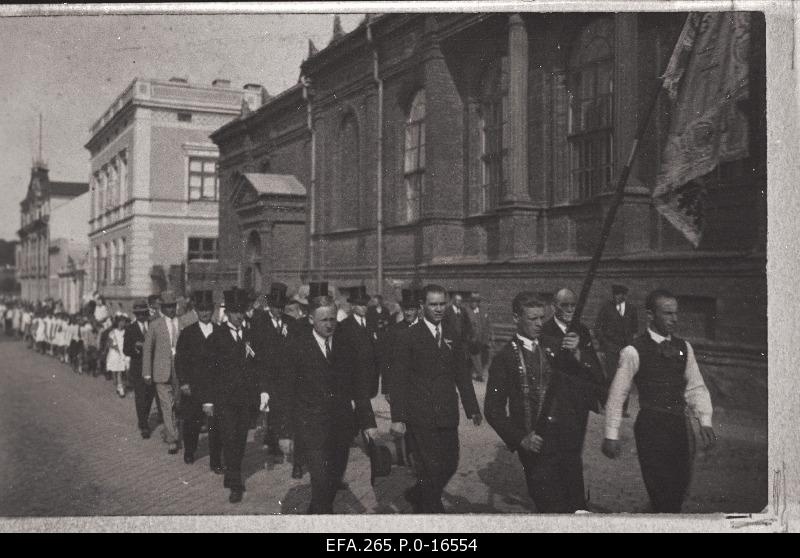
[[154, 185], [43, 198], [493, 142]]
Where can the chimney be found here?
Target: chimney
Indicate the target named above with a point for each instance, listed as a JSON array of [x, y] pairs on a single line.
[[338, 32], [219, 82], [176, 79], [254, 96]]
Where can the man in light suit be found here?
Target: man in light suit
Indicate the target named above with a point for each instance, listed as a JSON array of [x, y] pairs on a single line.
[[158, 365]]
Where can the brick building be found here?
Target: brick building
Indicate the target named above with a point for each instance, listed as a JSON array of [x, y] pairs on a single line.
[[480, 151], [154, 184], [44, 197]]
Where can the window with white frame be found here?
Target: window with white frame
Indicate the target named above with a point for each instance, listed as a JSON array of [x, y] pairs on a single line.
[[202, 179], [413, 161], [202, 249]]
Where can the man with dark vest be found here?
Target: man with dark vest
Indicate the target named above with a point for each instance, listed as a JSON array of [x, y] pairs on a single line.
[[194, 368], [132, 347], [668, 380], [548, 385], [241, 385], [616, 325], [322, 401], [429, 366], [355, 328]]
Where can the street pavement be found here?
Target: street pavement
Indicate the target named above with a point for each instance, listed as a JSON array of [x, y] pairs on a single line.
[[69, 447]]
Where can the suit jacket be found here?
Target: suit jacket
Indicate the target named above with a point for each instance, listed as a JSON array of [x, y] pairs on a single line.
[[194, 362], [393, 333], [315, 396], [480, 328], [361, 340], [425, 378], [157, 358], [133, 334], [238, 377], [614, 331], [272, 340], [458, 324], [186, 319]]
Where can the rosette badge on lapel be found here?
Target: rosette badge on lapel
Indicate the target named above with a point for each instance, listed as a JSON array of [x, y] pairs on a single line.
[[448, 343], [668, 350]]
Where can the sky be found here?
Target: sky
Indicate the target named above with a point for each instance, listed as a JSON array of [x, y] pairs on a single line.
[[71, 68]]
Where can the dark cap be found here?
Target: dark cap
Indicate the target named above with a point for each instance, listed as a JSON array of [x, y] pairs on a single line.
[[411, 299], [619, 289]]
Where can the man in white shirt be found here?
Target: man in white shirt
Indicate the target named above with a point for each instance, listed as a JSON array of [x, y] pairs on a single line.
[[668, 381]]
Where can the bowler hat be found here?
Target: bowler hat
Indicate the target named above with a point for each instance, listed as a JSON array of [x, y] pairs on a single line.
[[410, 299], [277, 295], [359, 296], [380, 461], [236, 300], [619, 289], [140, 307], [168, 298], [203, 300]]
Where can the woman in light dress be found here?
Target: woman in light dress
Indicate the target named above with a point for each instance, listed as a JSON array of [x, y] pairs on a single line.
[[116, 361]]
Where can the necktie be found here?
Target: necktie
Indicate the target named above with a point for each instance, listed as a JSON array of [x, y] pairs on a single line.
[[327, 348], [438, 337], [619, 309]]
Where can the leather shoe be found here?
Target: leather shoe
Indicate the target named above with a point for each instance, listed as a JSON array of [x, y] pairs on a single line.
[[297, 472], [188, 458], [218, 470], [412, 497], [235, 497], [145, 434], [342, 486], [173, 449]]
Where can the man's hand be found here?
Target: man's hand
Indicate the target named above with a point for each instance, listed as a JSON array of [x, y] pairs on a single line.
[[147, 380], [571, 341], [532, 442], [370, 434], [398, 428], [707, 436], [477, 419], [611, 448], [186, 390], [264, 406], [286, 446]]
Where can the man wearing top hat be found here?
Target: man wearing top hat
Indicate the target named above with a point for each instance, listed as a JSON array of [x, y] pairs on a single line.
[[133, 347], [355, 328], [322, 401], [240, 385], [158, 365], [195, 372], [616, 325]]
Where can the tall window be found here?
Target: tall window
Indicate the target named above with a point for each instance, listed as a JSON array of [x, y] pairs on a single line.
[[495, 133], [113, 184], [101, 192], [202, 179], [202, 249], [345, 203], [414, 160], [590, 122], [112, 262], [98, 275], [119, 261], [102, 266], [122, 164]]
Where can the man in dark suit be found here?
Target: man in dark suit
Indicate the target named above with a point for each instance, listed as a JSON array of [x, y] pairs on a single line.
[[322, 401], [457, 321], [355, 328], [241, 385], [548, 383], [410, 306], [616, 325], [379, 318], [194, 368], [429, 365], [132, 347]]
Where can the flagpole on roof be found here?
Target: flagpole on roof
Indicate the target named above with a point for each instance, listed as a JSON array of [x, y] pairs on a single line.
[[622, 181]]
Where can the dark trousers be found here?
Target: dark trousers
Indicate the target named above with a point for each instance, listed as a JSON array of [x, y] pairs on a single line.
[[143, 395], [193, 417], [665, 444], [326, 467], [435, 460], [234, 423], [555, 480]]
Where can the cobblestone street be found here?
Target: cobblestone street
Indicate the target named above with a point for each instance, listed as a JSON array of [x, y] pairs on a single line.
[[70, 448]]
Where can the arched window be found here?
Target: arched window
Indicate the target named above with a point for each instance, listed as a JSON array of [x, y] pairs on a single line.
[[345, 201], [413, 161], [590, 80], [494, 133]]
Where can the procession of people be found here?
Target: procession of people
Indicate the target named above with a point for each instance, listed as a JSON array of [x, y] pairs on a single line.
[[309, 370]]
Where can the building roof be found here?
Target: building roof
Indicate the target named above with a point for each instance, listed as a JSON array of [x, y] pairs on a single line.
[[276, 184], [70, 189]]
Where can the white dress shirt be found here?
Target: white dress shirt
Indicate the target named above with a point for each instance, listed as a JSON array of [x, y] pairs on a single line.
[[321, 342], [621, 308], [696, 394], [361, 321], [561, 325], [527, 344], [207, 329], [433, 328]]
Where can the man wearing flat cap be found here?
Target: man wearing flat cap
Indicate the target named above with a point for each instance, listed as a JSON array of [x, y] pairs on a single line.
[[194, 368], [617, 324], [133, 348], [158, 365], [241, 385]]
